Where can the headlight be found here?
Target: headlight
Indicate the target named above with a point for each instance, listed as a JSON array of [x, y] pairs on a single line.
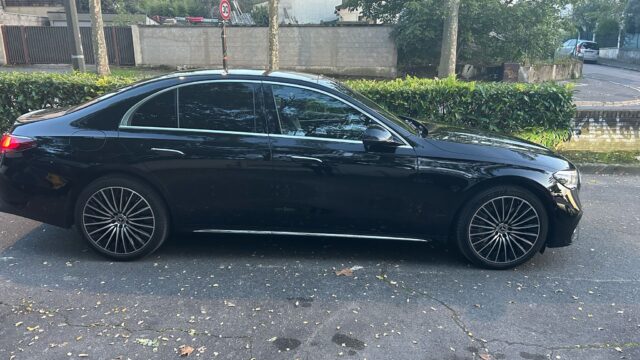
[[568, 178]]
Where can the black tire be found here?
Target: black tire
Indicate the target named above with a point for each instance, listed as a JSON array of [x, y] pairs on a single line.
[[477, 236], [117, 228]]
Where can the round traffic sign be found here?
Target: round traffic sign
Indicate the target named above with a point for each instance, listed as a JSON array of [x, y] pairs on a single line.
[[225, 9]]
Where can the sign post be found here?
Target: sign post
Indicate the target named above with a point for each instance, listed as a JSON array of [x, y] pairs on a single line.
[[225, 14]]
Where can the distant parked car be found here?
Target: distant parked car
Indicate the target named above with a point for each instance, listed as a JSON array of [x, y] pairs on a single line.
[[587, 51], [280, 153]]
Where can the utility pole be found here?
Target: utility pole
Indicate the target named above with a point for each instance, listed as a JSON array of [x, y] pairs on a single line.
[[77, 56]]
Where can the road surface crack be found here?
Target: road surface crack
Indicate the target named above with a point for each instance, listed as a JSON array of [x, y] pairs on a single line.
[[454, 315]]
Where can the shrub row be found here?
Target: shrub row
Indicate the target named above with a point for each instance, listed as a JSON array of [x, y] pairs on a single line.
[[21, 92], [503, 107], [539, 112]]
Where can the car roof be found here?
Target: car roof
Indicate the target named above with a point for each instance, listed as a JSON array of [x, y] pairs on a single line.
[[581, 40], [262, 74]]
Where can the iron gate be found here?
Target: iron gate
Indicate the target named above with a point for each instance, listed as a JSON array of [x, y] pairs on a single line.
[[27, 45]]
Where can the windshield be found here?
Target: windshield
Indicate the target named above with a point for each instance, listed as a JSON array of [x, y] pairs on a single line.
[[407, 125]]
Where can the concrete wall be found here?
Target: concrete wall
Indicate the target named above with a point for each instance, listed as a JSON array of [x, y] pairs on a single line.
[[605, 130], [8, 18], [629, 56], [339, 50], [33, 10], [542, 73], [609, 53]]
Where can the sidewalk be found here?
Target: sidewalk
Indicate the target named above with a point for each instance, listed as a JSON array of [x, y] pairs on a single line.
[[619, 64]]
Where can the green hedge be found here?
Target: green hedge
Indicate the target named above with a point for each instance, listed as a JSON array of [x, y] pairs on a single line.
[[22, 92], [541, 113], [503, 107]]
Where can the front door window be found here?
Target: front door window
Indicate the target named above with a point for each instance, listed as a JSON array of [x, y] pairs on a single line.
[[306, 113]]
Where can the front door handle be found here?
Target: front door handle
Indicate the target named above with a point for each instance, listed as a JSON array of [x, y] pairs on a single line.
[[168, 151], [305, 159]]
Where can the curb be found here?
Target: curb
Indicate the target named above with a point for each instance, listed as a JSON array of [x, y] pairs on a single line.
[[608, 169], [588, 104]]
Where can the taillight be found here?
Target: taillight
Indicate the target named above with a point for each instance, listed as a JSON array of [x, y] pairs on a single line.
[[12, 143]]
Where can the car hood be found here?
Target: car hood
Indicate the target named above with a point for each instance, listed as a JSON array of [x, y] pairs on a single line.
[[484, 145]]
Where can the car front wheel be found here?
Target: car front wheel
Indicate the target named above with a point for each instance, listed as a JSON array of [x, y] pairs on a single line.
[[121, 218], [502, 227]]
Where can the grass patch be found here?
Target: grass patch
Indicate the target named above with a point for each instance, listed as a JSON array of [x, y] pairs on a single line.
[[610, 157]]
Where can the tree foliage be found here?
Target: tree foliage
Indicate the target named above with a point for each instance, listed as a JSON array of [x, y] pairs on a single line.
[[490, 31], [260, 15], [589, 15], [632, 17]]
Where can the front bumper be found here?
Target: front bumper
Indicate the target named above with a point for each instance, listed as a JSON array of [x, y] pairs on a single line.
[[565, 218]]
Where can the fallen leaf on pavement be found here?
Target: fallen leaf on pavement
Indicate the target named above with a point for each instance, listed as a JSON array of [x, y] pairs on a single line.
[[345, 272], [147, 342], [185, 350], [485, 356]]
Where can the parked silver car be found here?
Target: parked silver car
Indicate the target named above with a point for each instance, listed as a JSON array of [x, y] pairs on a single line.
[[579, 49]]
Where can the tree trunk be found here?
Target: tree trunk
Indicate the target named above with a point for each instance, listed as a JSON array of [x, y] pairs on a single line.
[[449, 49], [274, 25], [97, 35]]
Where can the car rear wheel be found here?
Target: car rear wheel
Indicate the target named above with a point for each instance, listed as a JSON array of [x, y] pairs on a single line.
[[502, 227], [121, 218]]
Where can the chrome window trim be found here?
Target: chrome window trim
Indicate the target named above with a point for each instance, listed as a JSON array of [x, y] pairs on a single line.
[[124, 123], [295, 233], [192, 130]]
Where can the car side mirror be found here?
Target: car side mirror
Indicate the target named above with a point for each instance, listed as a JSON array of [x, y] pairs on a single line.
[[376, 137]]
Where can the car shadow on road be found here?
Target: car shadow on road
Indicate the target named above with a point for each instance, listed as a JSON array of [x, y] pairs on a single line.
[[55, 243]]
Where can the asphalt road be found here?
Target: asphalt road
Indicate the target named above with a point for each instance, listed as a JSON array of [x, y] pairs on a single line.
[[279, 298], [605, 86]]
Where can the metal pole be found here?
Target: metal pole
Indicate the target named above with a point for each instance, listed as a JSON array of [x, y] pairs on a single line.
[[224, 46], [77, 55]]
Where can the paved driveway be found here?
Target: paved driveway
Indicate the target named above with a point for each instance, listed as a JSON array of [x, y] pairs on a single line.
[[279, 298], [608, 87]]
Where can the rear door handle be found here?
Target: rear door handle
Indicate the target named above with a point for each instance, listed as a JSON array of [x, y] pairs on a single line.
[[305, 159], [168, 151]]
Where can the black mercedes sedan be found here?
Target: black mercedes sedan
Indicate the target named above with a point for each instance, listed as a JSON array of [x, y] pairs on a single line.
[[249, 152]]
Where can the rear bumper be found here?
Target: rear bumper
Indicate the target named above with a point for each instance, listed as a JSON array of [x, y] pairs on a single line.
[[565, 218], [34, 195]]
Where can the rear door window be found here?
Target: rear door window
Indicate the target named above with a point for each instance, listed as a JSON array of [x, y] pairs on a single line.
[[220, 106], [159, 111]]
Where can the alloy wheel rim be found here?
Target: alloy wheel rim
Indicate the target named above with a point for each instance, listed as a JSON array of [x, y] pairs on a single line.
[[504, 229], [118, 220]]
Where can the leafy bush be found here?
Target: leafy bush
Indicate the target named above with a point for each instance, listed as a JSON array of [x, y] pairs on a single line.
[[503, 107], [540, 113], [23, 92]]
